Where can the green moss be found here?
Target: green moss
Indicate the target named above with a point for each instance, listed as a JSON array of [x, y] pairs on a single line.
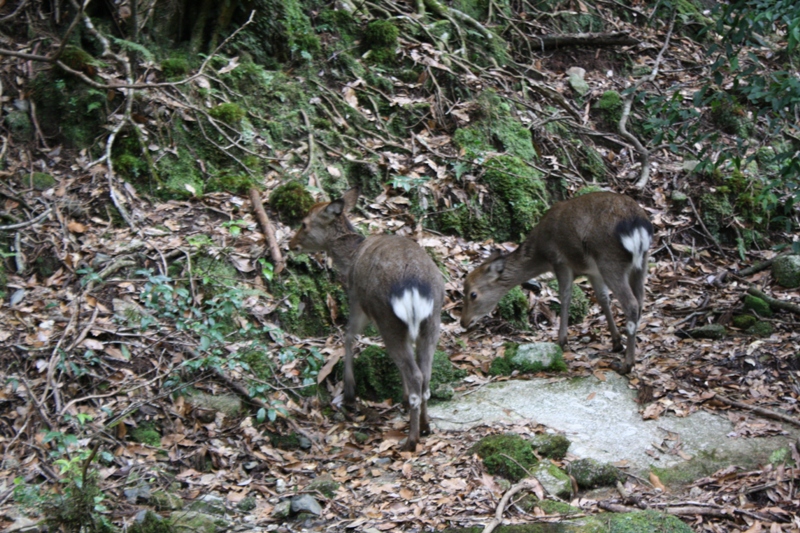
[[513, 308], [781, 456], [509, 456], [181, 175], [744, 321], [590, 474], [232, 182], [20, 125], [551, 446], [590, 163], [381, 34], [289, 441], [761, 329], [281, 32], [378, 378], [151, 523], [228, 112], [716, 212], [291, 201], [728, 116], [609, 110], [324, 484], [68, 110], [587, 189], [528, 358], [646, 522], [175, 67], [471, 141], [757, 305], [556, 507], [42, 181], [79, 59], [579, 305], [146, 434], [518, 197], [305, 309], [786, 270], [339, 21]]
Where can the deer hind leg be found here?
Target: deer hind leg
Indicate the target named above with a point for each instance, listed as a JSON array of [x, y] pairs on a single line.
[[426, 346], [401, 351], [565, 278], [620, 286], [355, 325], [604, 299]]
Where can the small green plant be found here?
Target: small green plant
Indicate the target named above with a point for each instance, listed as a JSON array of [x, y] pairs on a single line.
[[235, 227], [228, 113]]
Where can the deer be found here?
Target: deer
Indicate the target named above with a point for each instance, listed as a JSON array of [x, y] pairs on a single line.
[[390, 281], [602, 235]]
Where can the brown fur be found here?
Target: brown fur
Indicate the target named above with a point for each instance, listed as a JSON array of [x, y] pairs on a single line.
[[370, 268], [576, 237]]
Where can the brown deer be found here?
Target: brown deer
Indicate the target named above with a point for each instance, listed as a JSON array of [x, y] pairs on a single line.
[[602, 235], [391, 282]]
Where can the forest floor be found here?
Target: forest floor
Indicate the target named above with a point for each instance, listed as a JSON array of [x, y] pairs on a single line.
[[79, 374]]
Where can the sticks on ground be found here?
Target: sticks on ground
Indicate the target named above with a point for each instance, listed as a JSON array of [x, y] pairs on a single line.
[[268, 229]]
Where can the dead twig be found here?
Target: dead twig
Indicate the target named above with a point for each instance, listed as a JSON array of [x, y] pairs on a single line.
[[498, 515], [268, 229], [774, 302], [766, 413]]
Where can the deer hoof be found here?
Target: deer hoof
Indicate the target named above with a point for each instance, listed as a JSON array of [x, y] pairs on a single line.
[[617, 346], [621, 368], [409, 446]]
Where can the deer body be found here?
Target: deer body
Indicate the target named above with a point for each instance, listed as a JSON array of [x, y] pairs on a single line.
[[602, 235], [391, 282]]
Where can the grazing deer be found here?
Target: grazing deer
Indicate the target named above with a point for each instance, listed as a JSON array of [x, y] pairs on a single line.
[[391, 282], [602, 235]]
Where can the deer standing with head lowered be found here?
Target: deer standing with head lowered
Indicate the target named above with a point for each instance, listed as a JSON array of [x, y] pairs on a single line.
[[602, 235], [390, 281]]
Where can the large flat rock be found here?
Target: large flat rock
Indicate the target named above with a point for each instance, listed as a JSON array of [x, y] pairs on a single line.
[[602, 420]]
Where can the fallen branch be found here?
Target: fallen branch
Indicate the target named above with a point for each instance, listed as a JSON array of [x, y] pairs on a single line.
[[268, 229], [617, 38], [766, 413], [774, 302], [498, 515], [626, 111], [27, 223]]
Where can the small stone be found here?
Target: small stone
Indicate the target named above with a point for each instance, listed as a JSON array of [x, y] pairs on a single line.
[[324, 484], [537, 356], [590, 474], [551, 446], [280, 486], [554, 481], [710, 331], [576, 81], [140, 494], [282, 509], [247, 504], [209, 504], [166, 501], [306, 503], [443, 392]]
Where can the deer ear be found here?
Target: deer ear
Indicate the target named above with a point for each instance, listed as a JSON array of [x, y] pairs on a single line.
[[350, 198], [496, 267], [335, 208]]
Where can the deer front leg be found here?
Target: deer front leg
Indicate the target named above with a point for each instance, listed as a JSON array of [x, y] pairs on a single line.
[[565, 278], [358, 319]]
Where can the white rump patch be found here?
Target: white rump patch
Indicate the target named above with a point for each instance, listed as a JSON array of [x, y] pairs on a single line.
[[412, 308], [637, 243]]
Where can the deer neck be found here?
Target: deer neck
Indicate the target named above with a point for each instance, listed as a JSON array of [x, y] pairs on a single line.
[[524, 263], [343, 251]]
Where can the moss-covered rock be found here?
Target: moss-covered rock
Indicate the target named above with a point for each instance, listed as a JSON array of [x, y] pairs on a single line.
[[786, 270], [378, 378], [761, 329], [646, 522], [166, 501], [198, 522], [150, 522], [518, 197], [554, 481], [552, 446], [509, 456], [579, 305], [757, 305], [291, 201], [146, 434], [175, 67], [381, 34], [529, 358], [42, 181], [744, 321], [708, 331], [590, 474], [608, 110], [324, 484]]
